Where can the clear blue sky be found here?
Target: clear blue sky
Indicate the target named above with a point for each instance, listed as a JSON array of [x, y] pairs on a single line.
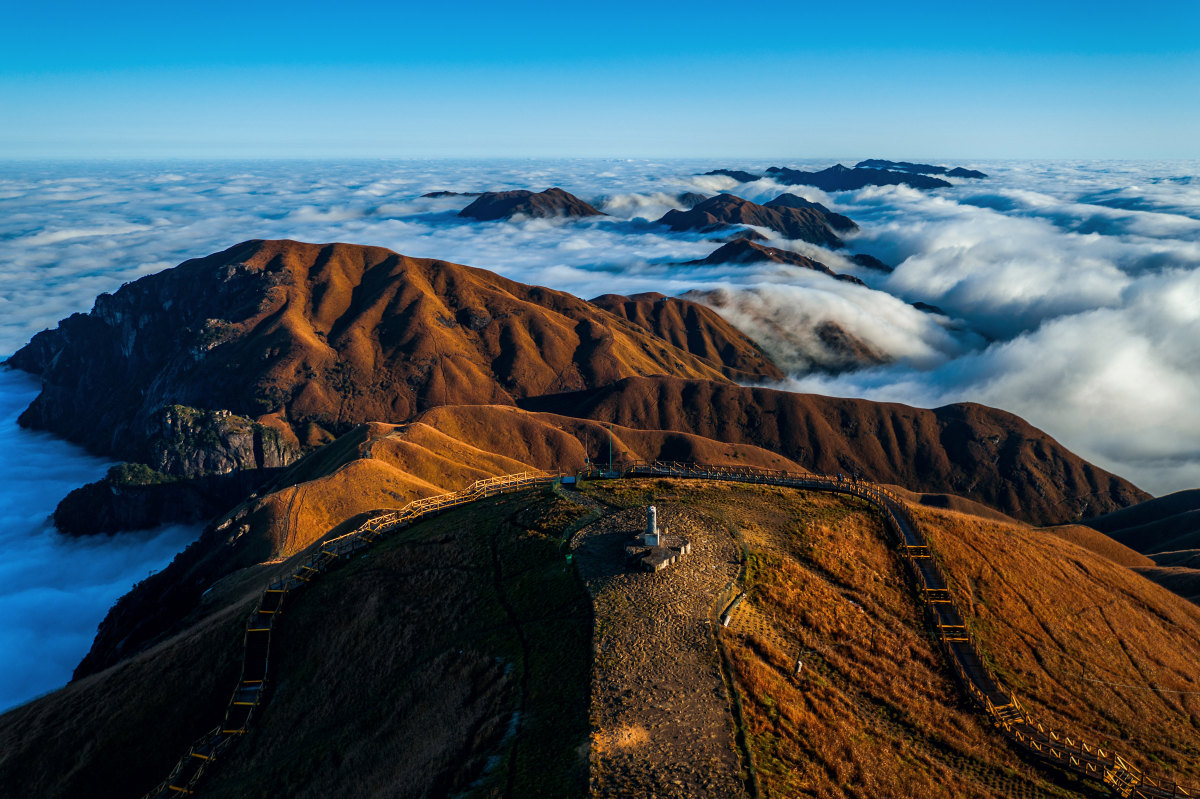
[[936, 79]]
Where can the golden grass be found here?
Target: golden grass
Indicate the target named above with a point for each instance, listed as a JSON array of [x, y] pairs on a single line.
[[1087, 644], [874, 711], [1101, 544]]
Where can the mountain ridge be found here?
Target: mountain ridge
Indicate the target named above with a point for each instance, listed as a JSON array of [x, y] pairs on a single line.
[[724, 210], [296, 342]]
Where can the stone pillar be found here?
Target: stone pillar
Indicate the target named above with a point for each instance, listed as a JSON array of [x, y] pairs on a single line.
[[652, 526]]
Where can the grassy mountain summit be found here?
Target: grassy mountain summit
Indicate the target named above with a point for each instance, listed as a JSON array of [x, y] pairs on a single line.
[[469, 634]]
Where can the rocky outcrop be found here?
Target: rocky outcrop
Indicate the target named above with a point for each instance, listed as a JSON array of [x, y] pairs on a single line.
[[841, 178], [805, 224], [135, 497], [552, 202], [191, 442]]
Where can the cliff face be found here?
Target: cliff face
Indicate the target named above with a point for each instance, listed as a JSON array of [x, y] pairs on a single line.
[[136, 497], [295, 343], [122, 380]]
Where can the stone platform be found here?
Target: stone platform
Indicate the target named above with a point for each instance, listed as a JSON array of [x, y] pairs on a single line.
[[659, 709]]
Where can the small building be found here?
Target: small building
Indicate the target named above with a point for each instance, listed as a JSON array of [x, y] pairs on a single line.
[[654, 549]]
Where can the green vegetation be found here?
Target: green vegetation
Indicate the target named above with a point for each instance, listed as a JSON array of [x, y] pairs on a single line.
[[137, 474]]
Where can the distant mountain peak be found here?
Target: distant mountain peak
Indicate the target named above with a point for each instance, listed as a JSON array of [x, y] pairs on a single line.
[[806, 223], [552, 202]]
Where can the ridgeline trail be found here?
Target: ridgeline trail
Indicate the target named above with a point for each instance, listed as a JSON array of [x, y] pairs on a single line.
[[959, 647]]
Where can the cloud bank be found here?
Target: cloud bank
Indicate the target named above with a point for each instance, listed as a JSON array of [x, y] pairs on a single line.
[[1071, 293], [54, 591], [1075, 264]]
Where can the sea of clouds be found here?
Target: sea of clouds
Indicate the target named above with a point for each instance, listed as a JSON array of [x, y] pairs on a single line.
[[1071, 290], [54, 590]]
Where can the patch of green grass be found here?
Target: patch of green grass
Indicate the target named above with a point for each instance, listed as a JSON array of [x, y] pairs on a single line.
[[137, 474]]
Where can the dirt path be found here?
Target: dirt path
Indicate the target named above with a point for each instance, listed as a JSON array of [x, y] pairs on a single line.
[[660, 714]]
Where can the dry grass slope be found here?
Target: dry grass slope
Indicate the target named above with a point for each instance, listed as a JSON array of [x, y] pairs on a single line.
[[1088, 645], [874, 711], [380, 466], [425, 649]]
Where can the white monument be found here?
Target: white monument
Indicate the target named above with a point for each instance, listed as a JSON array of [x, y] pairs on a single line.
[[651, 538]]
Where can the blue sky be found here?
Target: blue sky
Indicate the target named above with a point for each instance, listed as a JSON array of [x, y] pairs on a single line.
[[304, 79]]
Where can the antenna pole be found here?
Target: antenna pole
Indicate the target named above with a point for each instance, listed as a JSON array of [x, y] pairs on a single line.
[[610, 446]]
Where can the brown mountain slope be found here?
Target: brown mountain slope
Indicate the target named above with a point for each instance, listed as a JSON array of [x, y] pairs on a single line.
[[981, 453], [1162, 524], [744, 251], [310, 339], [1123, 651], [1086, 537], [798, 346], [806, 224], [1168, 530], [378, 466], [874, 706], [838, 222], [871, 262], [694, 328], [493, 205]]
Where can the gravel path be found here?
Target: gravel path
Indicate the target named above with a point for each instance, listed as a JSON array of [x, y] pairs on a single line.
[[660, 713]]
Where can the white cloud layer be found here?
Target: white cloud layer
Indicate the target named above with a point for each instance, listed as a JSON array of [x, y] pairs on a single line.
[[1072, 292], [54, 591], [1070, 264]]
